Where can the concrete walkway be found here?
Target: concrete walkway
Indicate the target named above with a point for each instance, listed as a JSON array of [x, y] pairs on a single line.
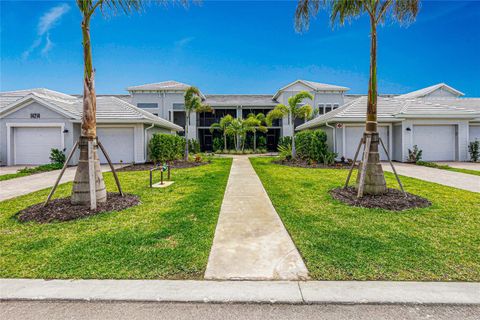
[[19, 186], [250, 239], [293, 292], [458, 180]]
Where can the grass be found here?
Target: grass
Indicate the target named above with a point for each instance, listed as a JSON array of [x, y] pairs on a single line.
[[339, 242], [29, 171], [447, 167], [168, 236]]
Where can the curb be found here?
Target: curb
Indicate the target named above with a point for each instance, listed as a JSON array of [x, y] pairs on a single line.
[[290, 292]]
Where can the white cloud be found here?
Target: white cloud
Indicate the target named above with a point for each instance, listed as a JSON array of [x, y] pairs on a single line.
[[46, 23], [183, 42], [48, 45], [51, 17]]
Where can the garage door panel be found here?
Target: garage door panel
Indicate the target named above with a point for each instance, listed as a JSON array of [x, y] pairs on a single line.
[[32, 145], [353, 136], [119, 143], [436, 142]]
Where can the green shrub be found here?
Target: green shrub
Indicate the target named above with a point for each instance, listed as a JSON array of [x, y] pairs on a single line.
[[218, 144], [312, 145], [261, 142], [193, 146], [474, 150], [285, 152], [57, 157], [284, 142], [42, 168], [166, 147]]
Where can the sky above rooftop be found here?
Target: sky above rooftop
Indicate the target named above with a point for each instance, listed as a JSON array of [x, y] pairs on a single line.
[[236, 47]]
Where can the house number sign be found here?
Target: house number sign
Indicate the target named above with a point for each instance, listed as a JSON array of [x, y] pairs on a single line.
[[34, 115]]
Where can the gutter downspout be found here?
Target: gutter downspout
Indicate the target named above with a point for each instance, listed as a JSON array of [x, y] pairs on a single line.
[[145, 145], [334, 134]]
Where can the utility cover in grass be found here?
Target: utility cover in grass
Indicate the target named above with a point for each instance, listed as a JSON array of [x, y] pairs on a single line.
[[393, 199], [63, 210]]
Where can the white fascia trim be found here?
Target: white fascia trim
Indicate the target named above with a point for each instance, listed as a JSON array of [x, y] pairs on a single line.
[[12, 125], [19, 104]]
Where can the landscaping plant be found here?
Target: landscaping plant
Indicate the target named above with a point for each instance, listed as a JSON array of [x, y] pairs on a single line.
[[414, 155], [371, 179], [474, 150], [295, 109], [254, 123], [193, 103], [57, 157], [224, 123], [165, 147]]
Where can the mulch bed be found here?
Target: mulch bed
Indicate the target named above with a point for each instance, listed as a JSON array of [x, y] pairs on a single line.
[[62, 210], [300, 163], [177, 164], [393, 199]]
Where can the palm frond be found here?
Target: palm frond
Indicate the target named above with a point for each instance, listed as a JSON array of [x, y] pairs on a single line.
[[406, 11], [304, 112]]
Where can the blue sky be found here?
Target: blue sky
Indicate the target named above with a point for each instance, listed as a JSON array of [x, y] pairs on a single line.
[[236, 47]]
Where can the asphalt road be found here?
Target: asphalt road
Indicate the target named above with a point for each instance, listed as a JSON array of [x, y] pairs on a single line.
[[25, 310]]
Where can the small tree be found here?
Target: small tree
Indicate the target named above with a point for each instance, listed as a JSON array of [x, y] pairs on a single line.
[[222, 126], [235, 129], [371, 179], [193, 103], [256, 123], [474, 150], [295, 109]]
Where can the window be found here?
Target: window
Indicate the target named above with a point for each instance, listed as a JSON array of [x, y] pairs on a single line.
[[321, 108], [335, 106], [328, 107], [147, 105], [155, 114]]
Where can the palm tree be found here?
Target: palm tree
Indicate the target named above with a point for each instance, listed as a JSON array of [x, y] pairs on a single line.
[[256, 123], [371, 179], [88, 185], [193, 103], [294, 110], [235, 129], [222, 126]]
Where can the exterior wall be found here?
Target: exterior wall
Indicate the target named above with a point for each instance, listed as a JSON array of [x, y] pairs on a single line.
[[167, 103], [322, 97], [397, 142], [461, 140], [22, 117]]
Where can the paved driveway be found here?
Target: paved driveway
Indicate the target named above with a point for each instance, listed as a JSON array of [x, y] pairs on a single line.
[[448, 178], [19, 186]]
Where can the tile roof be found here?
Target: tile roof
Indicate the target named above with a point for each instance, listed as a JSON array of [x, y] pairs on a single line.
[[109, 108], [425, 91], [391, 109], [239, 100], [164, 85]]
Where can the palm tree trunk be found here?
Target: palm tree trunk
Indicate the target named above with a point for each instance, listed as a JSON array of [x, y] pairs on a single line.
[[187, 121], [294, 151], [374, 182], [254, 141], [81, 192], [224, 141]]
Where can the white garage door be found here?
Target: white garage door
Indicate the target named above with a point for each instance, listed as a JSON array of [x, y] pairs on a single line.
[[353, 136], [437, 142], [32, 145], [119, 143], [474, 133]]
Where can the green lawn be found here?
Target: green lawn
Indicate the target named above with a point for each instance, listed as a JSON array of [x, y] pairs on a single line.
[[339, 242], [167, 236], [447, 167]]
